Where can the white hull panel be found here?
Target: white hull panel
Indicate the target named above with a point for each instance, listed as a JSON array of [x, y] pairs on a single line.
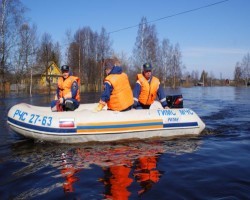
[[85, 125]]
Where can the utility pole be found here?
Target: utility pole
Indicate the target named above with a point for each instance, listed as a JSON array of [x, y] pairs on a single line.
[[31, 80], [31, 72]]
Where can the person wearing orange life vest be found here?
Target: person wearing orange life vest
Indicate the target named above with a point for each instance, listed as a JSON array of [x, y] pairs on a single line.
[[67, 96], [117, 92], [147, 88]]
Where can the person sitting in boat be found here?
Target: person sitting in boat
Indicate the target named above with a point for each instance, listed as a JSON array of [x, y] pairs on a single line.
[[67, 96], [147, 88], [117, 92]]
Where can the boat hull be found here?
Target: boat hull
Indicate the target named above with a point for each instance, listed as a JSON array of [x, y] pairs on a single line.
[[85, 125]]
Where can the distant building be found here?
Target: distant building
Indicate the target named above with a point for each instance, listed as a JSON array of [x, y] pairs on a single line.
[[53, 73], [199, 84], [38, 80]]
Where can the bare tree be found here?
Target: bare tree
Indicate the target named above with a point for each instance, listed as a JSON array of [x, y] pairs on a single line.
[[188, 79], [11, 18], [237, 74], [47, 53], [146, 46], [56, 54], [68, 40], [24, 56], [104, 50], [245, 67], [82, 53], [87, 51], [88, 66], [165, 60], [195, 76], [152, 46], [139, 55], [211, 78], [175, 68], [73, 58], [204, 78]]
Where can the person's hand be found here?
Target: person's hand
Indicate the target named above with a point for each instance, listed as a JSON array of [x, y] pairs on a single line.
[[166, 107], [99, 107]]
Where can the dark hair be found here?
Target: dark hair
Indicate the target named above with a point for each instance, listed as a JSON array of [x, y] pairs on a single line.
[[109, 63]]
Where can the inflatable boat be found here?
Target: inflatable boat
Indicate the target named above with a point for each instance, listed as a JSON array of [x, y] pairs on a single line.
[[86, 125]]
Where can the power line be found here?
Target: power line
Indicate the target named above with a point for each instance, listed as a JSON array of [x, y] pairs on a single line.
[[173, 15]]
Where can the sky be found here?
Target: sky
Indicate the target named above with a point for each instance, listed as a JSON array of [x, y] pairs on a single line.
[[213, 35]]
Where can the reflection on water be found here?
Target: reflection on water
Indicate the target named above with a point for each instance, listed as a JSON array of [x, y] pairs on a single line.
[[214, 165], [122, 163]]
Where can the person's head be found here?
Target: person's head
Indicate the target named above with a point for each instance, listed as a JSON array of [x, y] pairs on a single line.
[[65, 71], [147, 70], [109, 63]]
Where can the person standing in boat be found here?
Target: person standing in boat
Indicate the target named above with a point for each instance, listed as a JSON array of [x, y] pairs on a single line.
[[117, 92], [147, 88], [67, 96]]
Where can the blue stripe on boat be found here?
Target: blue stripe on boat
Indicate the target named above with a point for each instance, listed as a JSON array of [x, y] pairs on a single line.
[[74, 130], [180, 125], [120, 125], [40, 128]]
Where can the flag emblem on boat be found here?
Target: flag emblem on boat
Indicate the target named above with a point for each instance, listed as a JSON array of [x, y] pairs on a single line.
[[66, 123]]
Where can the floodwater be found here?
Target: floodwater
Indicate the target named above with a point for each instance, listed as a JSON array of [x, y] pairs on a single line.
[[214, 165]]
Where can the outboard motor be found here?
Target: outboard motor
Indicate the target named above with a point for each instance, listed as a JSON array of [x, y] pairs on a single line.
[[174, 101]]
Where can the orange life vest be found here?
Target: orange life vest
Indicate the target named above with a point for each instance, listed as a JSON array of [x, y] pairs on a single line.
[[65, 86], [148, 90], [121, 96]]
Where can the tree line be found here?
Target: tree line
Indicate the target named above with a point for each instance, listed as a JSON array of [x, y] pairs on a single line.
[[242, 71], [23, 53]]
